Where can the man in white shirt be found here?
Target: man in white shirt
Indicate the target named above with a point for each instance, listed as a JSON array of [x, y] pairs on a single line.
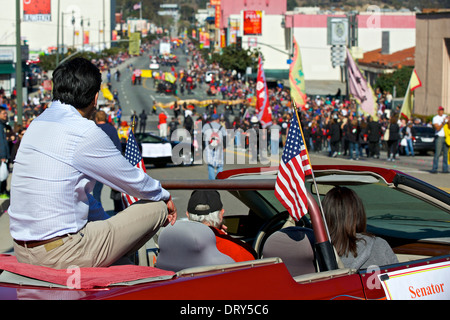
[[214, 137], [54, 219], [439, 121]]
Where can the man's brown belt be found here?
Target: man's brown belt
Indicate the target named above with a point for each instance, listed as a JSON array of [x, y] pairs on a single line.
[[53, 242]]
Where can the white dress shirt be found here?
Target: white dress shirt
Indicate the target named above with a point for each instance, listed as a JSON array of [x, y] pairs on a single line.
[[60, 157], [437, 119]]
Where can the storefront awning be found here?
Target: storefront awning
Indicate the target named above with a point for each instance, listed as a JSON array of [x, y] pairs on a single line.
[[7, 68], [273, 74]]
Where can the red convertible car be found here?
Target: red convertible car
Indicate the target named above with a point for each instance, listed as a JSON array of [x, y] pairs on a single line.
[[411, 215]]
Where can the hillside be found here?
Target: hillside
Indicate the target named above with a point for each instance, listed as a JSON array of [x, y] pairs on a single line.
[[188, 8]]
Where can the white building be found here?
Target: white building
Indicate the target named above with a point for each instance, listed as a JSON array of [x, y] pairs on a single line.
[[84, 24], [94, 18], [271, 42], [310, 32]]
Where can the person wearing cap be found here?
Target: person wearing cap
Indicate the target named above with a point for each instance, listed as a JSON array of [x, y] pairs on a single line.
[[439, 121], [205, 206], [214, 150]]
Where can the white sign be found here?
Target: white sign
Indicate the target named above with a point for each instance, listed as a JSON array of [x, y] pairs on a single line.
[[156, 150], [339, 31], [428, 282]]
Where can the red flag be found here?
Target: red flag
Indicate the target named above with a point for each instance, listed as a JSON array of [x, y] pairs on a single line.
[[262, 98], [133, 155], [294, 167]]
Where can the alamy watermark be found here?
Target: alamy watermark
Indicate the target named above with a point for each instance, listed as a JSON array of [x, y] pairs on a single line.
[[374, 20]]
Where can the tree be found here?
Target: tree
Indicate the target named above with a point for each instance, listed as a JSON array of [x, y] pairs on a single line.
[[399, 78], [291, 4], [232, 58]]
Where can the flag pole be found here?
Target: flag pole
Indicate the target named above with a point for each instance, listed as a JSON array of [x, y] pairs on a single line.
[[327, 256]]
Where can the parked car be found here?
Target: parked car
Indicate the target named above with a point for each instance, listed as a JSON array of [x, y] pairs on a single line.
[[411, 215], [161, 151], [423, 140]]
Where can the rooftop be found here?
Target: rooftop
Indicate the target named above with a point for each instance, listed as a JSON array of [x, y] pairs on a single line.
[[395, 60]]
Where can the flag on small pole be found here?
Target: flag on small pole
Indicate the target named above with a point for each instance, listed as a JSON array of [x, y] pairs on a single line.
[[294, 167], [133, 155], [408, 101]]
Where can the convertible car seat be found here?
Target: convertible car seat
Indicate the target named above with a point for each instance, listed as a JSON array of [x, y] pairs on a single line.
[[294, 245], [188, 244]]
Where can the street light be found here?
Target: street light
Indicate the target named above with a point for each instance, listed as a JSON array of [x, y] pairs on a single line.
[[82, 30], [62, 27], [73, 35], [19, 97]]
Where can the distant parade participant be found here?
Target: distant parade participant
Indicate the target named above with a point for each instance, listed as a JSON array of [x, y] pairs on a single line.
[[142, 121], [439, 122], [162, 123]]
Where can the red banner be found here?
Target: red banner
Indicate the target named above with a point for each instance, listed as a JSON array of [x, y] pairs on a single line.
[[86, 37], [262, 98], [37, 10]]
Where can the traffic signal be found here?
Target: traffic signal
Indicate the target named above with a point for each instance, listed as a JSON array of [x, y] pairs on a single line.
[[338, 56], [239, 43]]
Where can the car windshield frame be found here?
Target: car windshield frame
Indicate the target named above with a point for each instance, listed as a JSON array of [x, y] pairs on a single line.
[[421, 211]]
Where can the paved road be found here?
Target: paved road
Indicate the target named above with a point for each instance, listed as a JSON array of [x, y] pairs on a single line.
[[141, 97]]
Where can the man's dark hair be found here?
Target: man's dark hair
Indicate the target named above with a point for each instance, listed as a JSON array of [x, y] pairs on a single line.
[[76, 82]]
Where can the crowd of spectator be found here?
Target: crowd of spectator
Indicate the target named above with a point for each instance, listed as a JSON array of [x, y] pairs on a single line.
[[332, 124]]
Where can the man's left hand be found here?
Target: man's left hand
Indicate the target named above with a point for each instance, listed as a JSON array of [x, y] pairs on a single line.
[[171, 212]]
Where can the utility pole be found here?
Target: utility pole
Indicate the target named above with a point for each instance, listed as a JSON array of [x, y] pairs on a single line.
[[57, 35], [19, 98]]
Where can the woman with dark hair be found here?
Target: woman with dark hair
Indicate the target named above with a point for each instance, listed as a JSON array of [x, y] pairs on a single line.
[[346, 219]]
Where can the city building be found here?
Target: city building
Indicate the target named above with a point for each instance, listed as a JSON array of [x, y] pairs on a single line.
[[311, 32], [266, 25], [49, 24], [433, 62]]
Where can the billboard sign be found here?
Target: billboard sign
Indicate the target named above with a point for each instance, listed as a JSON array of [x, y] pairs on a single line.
[[252, 22], [37, 10]]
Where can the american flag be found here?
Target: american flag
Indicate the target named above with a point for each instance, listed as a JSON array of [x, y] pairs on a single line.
[[294, 167], [133, 155]]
